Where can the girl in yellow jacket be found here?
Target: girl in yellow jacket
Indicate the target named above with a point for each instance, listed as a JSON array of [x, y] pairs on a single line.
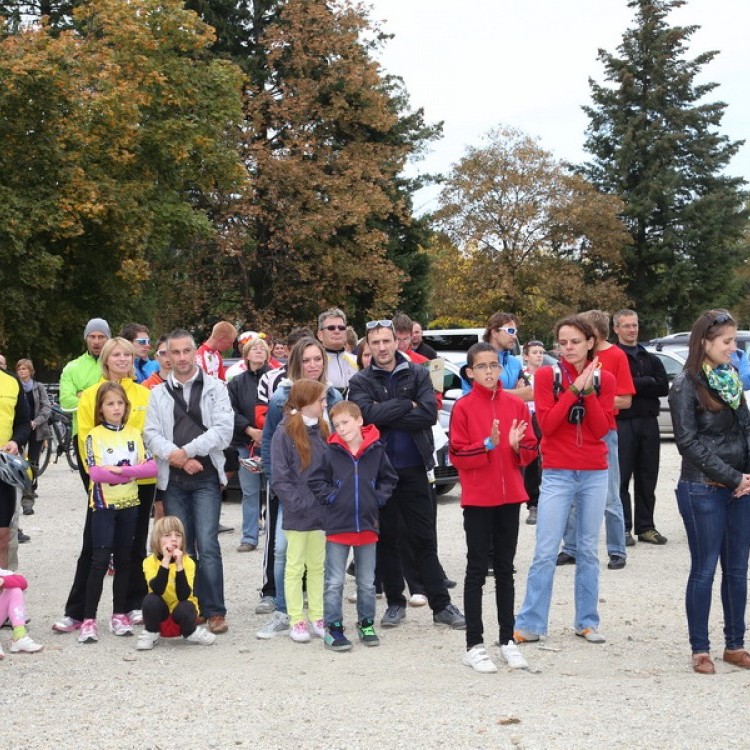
[[170, 607]]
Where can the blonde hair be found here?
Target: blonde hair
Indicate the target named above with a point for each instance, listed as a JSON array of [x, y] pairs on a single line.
[[255, 342], [109, 345], [103, 390], [26, 363], [165, 525], [303, 393]]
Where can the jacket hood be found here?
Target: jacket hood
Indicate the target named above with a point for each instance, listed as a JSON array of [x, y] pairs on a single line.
[[370, 435]]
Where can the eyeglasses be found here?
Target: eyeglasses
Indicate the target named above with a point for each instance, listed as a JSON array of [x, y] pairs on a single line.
[[511, 331], [378, 324], [720, 319], [484, 366], [161, 353], [143, 342], [333, 328]]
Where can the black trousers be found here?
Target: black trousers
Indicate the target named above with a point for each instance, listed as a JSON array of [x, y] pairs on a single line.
[[136, 588], [269, 583], [412, 505], [494, 528], [639, 447], [155, 612]]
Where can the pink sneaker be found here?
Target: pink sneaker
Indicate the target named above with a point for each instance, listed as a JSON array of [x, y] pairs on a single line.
[[89, 632], [299, 632], [66, 625], [318, 628], [120, 624]]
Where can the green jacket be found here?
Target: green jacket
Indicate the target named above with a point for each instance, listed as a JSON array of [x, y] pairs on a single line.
[[78, 375]]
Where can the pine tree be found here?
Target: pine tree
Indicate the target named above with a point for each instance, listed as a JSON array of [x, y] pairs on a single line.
[[655, 143]]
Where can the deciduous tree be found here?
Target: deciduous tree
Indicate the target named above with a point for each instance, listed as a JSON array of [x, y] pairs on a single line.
[[523, 234]]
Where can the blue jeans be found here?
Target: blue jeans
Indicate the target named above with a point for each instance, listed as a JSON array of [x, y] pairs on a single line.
[[197, 503], [718, 529], [560, 489], [335, 572], [614, 515], [250, 483], [279, 561]]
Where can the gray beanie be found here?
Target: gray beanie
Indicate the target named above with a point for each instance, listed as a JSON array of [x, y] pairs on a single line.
[[97, 324]]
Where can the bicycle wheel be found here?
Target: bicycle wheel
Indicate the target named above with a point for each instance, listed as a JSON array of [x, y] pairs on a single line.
[[44, 456], [70, 454]]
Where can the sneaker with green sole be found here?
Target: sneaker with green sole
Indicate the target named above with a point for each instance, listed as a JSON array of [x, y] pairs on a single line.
[[335, 639], [366, 632]]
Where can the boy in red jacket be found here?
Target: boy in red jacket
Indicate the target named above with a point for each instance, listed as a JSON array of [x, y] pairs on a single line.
[[489, 443]]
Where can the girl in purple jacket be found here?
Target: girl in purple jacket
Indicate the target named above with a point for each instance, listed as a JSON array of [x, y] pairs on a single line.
[[296, 450]]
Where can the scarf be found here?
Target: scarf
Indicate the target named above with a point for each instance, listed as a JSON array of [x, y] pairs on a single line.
[[28, 386], [726, 382]]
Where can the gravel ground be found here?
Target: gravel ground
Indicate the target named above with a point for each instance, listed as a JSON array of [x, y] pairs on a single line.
[[635, 691]]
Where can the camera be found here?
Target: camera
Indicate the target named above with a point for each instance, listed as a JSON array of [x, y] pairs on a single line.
[[577, 413], [254, 464]]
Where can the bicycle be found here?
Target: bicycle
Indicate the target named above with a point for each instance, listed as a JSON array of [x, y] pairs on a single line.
[[62, 442]]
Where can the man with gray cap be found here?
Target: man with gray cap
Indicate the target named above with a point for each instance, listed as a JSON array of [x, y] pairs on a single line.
[[81, 373]]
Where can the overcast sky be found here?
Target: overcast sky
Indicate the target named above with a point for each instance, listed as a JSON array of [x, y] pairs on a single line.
[[475, 64]]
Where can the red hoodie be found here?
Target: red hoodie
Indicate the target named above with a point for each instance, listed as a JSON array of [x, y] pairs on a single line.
[[489, 478]]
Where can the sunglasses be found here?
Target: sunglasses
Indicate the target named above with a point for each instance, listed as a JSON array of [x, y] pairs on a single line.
[[333, 328], [511, 331], [720, 319], [143, 342], [378, 324]]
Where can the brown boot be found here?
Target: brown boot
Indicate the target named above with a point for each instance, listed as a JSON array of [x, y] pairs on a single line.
[[739, 657], [702, 664]]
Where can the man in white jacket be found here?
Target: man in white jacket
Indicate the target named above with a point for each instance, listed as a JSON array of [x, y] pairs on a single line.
[[189, 423]]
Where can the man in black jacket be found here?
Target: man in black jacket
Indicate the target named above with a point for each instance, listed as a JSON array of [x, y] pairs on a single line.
[[638, 431], [398, 398]]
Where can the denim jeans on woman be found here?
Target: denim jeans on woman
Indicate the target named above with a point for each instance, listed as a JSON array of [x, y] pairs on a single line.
[[250, 482], [718, 529], [560, 489], [614, 515]]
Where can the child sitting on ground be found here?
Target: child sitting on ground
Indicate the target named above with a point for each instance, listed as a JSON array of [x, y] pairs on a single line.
[[489, 443], [12, 607], [354, 480], [170, 607]]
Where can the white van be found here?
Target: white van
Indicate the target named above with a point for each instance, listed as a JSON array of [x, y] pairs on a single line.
[[453, 343]]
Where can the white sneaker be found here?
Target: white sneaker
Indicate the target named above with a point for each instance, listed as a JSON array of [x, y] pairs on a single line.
[[136, 617], [299, 632], [25, 644], [513, 657], [146, 640], [479, 660], [417, 600], [592, 635], [318, 628], [201, 637], [66, 625], [277, 625]]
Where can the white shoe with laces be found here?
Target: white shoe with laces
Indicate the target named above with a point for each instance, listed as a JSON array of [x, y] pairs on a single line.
[[318, 628], [513, 657], [277, 625], [25, 644], [479, 660], [136, 617]]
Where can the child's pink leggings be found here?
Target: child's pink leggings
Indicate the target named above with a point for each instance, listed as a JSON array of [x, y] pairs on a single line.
[[12, 607]]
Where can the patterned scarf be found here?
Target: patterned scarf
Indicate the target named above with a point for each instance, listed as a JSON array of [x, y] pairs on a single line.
[[726, 382]]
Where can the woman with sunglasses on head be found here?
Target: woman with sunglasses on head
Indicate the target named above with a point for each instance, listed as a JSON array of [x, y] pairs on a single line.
[[712, 431]]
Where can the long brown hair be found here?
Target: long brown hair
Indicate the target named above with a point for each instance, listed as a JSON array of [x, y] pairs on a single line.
[[709, 326], [303, 393], [294, 364]]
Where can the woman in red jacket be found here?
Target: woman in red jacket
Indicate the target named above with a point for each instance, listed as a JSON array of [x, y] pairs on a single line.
[[573, 404], [490, 440]]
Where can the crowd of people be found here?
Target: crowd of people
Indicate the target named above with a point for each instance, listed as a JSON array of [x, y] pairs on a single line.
[[333, 441]]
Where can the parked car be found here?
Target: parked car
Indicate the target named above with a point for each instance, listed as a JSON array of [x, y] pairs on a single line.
[[682, 338]]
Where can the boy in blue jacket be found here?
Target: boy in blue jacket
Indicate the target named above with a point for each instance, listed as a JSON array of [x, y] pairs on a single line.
[[354, 480]]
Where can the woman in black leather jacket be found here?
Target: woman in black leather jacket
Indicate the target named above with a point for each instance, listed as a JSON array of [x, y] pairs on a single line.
[[712, 431]]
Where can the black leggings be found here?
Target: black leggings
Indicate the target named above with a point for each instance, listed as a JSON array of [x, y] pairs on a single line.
[[155, 612]]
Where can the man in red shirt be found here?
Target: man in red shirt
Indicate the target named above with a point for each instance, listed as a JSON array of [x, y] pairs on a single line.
[[614, 360], [208, 357]]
